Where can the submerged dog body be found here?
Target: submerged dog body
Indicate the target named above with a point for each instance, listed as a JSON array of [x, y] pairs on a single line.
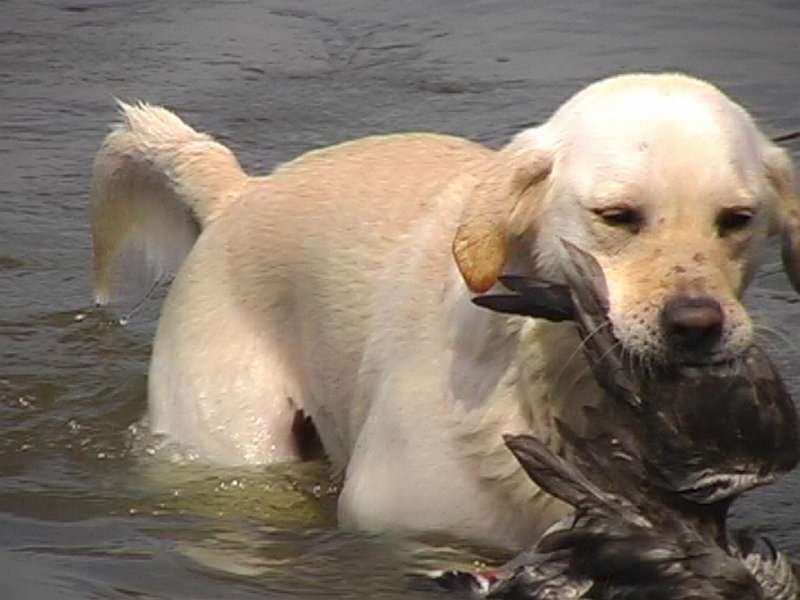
[[330, 287]]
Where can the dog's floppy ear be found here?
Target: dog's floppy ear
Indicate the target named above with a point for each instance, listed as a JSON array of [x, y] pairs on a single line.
[[491, 212], [780, 174]]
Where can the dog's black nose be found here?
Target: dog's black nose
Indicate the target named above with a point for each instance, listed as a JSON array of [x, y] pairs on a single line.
[[693, 324]]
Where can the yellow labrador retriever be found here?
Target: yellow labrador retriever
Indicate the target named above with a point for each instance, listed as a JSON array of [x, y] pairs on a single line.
[[339, 285]]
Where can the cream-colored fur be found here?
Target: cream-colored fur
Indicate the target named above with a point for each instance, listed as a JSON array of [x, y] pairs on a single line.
[[336, 285]]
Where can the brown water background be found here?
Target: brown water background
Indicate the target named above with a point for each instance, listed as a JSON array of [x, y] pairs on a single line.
[[91, 506]]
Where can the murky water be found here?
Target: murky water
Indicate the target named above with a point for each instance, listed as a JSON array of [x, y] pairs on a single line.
[[90, 505]]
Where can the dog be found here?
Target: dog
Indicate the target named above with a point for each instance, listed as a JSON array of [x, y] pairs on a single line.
[[338, 287]]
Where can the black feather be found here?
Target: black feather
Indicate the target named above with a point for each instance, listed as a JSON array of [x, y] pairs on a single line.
[[655, 470]]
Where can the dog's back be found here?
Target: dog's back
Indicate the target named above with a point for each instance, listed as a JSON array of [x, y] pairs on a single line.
[[273, 310]]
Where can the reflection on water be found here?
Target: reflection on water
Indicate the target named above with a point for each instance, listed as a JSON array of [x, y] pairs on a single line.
[[90, 504]]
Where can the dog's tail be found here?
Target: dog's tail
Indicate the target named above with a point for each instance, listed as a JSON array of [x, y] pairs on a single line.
[[156, 184]]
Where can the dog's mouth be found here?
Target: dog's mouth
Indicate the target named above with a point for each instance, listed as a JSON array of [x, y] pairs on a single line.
[[716, 360], [706, 362], [718, 366], [668, 358]]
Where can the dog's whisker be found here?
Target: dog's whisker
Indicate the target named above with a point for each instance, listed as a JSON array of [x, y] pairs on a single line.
[[568, 362], [611, 349], [764, 341], [768, 334], [578, 351]]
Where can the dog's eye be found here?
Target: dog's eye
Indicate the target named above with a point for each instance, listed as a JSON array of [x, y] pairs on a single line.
[[734, 219], [621, 216]]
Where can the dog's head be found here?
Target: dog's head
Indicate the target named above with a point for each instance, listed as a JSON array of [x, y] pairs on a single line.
[[668, 183]]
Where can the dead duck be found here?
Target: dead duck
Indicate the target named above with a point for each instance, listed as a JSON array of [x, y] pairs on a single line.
[[653, 480]]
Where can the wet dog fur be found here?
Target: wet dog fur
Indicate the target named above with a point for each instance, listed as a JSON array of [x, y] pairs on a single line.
[[339, 285]]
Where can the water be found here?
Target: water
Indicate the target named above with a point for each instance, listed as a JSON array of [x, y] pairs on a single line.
[[90, 505]]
